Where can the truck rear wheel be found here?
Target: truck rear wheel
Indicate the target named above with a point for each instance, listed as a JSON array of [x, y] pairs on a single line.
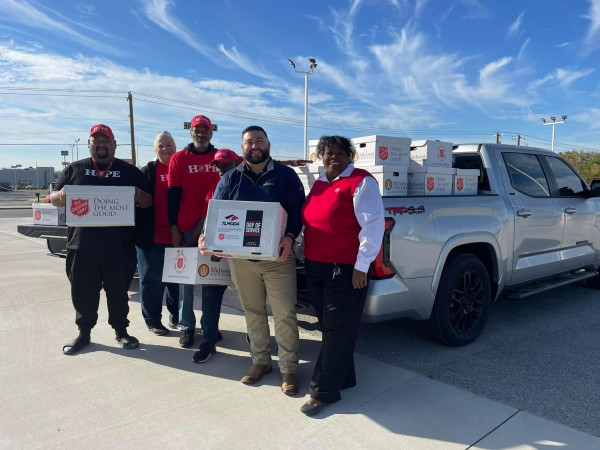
[[462, 303], [57, 246]]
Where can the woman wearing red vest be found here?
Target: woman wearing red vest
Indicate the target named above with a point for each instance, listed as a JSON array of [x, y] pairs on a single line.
[[343, 229]]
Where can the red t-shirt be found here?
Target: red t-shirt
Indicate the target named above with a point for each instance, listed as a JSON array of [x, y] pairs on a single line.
[[162, 230], [196, 176]]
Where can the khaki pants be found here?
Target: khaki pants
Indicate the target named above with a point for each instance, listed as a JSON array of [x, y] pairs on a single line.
[[277, 280]]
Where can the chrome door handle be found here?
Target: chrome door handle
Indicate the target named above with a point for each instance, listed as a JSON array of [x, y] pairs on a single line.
[[524, 213], [570, 211]]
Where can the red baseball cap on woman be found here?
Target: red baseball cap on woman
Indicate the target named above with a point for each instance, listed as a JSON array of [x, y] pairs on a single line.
[[225, 155]]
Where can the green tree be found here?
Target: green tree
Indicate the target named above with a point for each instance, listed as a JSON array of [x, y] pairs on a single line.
[[586, 163]]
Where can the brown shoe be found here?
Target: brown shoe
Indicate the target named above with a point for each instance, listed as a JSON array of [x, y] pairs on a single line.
[[290, 383], [256, 372]]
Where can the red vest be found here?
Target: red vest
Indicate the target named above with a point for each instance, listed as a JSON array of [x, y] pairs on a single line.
[[330, 226]]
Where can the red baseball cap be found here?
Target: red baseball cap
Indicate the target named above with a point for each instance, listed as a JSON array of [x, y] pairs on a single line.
[[225, 155], [201, 120], [101, 128]]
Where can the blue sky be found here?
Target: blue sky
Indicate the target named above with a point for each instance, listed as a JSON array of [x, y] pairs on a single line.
[[427, 69]]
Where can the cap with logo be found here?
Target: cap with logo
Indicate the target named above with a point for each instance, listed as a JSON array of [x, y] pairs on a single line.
[[101, 128], [201, 120], [225, 155]]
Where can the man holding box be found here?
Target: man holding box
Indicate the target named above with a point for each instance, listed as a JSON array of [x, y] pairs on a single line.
[[261, 179], [191, 178], [101, 257]]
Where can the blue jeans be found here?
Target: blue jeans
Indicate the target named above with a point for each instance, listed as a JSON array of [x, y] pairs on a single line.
[[212, 296], [152, 288]]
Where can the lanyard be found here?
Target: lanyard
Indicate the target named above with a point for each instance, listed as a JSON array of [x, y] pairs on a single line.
[[101, 174]]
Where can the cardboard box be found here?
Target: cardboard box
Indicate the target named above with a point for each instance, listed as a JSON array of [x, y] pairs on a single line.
[[392, 180], [431, 153], [309, 174], [47, 214], [465, 181], [381, 150], [93, 206], [312, 149], [185, 265], [430, 180], [247, 230]]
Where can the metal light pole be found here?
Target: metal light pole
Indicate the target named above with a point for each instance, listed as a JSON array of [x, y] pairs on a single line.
[[77, 146], [313, 65], [553, 123]]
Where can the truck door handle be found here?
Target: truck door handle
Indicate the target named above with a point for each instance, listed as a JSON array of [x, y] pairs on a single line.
[[570, 211], [524, 213]]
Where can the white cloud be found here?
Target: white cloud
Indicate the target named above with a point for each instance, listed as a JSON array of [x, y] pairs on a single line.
[[515, 27], [246, 63], [566, 77], [594, 17]]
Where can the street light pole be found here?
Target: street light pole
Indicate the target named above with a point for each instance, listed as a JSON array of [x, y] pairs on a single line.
[[553, 123], [313, 65], [77, 146]]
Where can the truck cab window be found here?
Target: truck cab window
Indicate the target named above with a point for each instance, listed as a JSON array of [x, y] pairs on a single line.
[[526, 174], [567, 181], [472, 161]]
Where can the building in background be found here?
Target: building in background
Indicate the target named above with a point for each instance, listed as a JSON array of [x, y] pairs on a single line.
[[22, 177]]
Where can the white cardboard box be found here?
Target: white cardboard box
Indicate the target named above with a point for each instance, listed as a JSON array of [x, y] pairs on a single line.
[[48, 214], [392, 180], [309, 174], [430, 180], [93, 206], [312, 149], [381, 150], [247, 230], [185, 265], [465, 181], [431, 153]]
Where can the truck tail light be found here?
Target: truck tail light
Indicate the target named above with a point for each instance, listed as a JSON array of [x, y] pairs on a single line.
[[382, 267]]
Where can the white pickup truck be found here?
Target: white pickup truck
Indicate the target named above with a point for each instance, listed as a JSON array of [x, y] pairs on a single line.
[[533, 225]]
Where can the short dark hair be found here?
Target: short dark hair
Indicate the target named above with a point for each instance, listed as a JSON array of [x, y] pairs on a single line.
[[254, 128], [342, 142]]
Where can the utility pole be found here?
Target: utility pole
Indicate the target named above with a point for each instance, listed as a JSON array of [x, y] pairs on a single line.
[[130, 100], [498, 134]]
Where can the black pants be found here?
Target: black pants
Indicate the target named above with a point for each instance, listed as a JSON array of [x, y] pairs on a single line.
[[339, 309], [91, 271]]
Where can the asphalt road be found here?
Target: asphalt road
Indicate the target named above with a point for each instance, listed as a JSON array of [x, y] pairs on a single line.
[[540, 355]]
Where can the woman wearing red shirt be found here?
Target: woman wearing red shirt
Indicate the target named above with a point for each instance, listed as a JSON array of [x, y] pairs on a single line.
[[343, 229]]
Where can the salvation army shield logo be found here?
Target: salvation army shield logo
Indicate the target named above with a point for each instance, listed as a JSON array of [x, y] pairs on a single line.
[[221, 236], [80, 207], [430, 183], [442, 153], [383, 153], [37, 215], [180, 262], [203, 270], [460, 183]]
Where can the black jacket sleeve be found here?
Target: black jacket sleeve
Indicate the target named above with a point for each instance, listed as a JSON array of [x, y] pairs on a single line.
[[173, 201]]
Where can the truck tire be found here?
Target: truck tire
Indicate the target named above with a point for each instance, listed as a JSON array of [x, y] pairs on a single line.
[[594, 282], [57, 246], [463, 300]]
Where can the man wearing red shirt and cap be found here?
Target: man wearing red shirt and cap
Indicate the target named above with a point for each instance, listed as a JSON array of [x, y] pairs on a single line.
[[101, 257], [191, 178]]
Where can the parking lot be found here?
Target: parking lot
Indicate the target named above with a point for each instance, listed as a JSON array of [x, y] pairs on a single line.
[[537, 358]]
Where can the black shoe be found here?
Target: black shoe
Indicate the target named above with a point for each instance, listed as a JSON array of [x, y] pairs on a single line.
[[187, 338], [126, 341], [159, 329], [204, 352], [219, 335], [311, 410], [77, 344], [174, 324]]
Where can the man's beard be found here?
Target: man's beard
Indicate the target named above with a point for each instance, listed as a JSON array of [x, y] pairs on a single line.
[[102, 153], [258, 159]]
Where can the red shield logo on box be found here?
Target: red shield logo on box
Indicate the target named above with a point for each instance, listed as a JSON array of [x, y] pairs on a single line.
[[37, 215], [383, 153], [460, 183], [430, 183], [179, 262], [221, 236], [80, 207], [442, 153]]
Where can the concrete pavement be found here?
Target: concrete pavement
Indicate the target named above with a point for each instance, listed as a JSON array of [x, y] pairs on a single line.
[[157, 397]]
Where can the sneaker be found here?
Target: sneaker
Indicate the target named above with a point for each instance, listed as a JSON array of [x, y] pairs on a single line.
[[204, 352], [159, 330], [187, 338]]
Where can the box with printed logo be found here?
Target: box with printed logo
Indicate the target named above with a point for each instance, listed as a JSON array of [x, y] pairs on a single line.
[[185, 265], [431, 153], [430, 180], [381, 150], [392, 180], [47, 214], [312, 149], [100, 206], [247, 230], [465, 181], [308, 174]]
